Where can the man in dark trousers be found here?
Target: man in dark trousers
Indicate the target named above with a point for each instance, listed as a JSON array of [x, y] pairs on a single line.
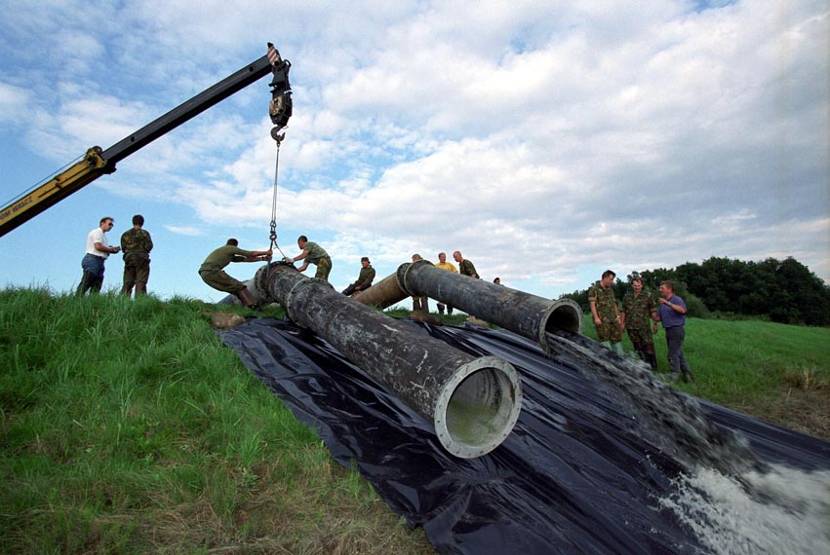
[[672, 312], [97, 251], [212, 269], [136, 245], [364, 279]]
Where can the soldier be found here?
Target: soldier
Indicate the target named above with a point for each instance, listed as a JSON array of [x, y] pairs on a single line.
[[449, 267], [213, 274], [96, 254], [312, 254], [419, 304], [639, 315], [465, 267], [136, 245], [605, 312], [364, 279]]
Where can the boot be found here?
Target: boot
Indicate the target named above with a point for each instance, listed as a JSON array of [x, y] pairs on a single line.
[[246, 297]]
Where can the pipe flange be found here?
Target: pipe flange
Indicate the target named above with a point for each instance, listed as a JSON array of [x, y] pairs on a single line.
[[478, 407], [563, 314]]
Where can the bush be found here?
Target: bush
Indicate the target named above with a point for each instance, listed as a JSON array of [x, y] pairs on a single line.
[[696, 307]]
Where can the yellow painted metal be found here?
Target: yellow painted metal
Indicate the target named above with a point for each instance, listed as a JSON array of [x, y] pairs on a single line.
[[64, 183]]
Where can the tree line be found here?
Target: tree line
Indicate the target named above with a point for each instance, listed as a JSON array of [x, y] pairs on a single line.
[[783, 291]]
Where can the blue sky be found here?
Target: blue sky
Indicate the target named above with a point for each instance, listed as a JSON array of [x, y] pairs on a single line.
[[547, 141]]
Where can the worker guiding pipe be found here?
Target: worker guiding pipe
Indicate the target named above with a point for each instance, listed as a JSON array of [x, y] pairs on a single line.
[[473, 402]]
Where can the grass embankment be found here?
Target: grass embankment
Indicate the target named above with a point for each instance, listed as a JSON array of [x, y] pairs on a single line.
[[128, 427], [775, 371]]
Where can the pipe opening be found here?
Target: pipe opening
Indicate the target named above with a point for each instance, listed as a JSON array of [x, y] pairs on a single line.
[[565, 315], [478, 408]]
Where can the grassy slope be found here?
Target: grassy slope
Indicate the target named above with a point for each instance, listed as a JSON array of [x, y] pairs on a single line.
[[775, 371], [128, 427]]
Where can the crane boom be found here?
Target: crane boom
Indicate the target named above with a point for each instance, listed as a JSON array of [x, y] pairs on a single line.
[[97, 162]]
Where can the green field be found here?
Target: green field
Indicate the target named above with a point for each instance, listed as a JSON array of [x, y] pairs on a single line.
[[128, 427]]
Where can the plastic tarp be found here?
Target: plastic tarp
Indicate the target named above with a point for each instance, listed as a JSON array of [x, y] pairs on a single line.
[[574, 476]]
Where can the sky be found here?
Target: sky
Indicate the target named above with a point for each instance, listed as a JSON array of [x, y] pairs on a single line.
[[547, 141]]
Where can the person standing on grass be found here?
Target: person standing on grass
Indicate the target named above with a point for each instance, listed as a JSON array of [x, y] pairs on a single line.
[[212, 269], [136, 245], [638, 318], [672, 313], [606, 313], [465, 267], [312, 254], [364, 279], [97, 251], [419, 304], [449, 267]]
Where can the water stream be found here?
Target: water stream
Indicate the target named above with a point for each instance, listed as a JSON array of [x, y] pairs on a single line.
[[732, 501]]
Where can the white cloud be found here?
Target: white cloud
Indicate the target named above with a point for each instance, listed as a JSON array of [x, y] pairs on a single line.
[[13, 100], [190, 231]]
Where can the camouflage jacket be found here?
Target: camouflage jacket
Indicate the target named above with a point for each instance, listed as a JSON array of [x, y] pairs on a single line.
[[605, 302], [364, 280], [467, 268], [638, 309], [136, 241], [314, 252]]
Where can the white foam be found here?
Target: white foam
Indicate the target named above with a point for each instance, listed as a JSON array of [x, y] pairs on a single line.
[[782, 511]]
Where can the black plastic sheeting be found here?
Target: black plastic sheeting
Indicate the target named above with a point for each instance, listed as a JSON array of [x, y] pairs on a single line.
[[574, 476]]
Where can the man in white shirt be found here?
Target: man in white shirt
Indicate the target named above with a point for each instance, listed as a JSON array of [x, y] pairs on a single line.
[[97, 251]]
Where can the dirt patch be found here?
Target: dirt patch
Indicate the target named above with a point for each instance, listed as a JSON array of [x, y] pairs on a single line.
[[805, 411]]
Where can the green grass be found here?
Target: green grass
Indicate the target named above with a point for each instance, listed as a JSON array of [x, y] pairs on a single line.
[[126, 426], [754, 366]]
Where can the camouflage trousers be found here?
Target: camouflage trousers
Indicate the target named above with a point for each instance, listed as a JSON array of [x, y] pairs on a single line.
[[221, 281], [420, 304], [609, 331], [136, 273], [643, 342], [323, 269]]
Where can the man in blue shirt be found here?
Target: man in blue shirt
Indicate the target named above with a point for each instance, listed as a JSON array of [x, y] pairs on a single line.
[[672, 312]]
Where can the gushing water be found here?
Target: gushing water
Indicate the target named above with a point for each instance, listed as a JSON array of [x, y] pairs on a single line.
[[669, 418], [787, 511], [732, 502]]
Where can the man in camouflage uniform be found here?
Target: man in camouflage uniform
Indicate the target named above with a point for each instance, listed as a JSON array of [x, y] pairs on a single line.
[[465, 267], [419, 304], [606, 313], [638, 318], [212, 269], [136, 245], [312, 254], [364, 279]]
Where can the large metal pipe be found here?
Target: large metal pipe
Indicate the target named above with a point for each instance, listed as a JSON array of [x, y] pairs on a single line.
[[382, 294], [473, 402], [528, 315]]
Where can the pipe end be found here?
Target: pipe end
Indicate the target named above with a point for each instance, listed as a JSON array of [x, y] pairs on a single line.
[[563, 314], [477, 409]]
